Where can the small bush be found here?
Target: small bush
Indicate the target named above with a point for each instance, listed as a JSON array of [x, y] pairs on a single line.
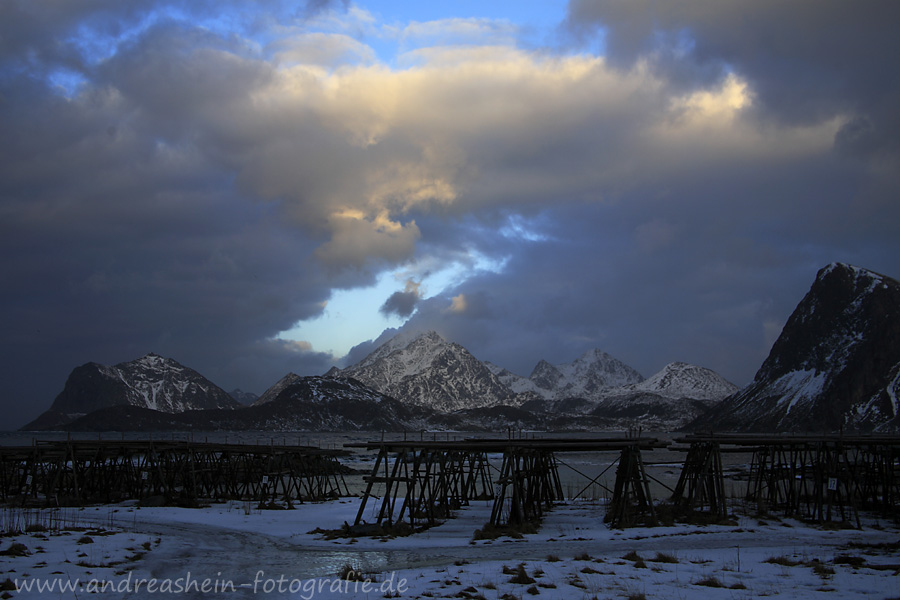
[[664, 558], [710, 582], [784, 561], [492, 532], [85, 539], [821, 569], [552, 558], [16, 549], [350, 573], [577, 582], [521, 576], [853, 561], [632, 556], [584, 556]]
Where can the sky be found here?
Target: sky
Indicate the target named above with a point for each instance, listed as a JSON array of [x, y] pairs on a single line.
[[253, 188]]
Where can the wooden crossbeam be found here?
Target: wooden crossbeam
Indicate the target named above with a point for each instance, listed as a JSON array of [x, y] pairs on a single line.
[[79, 472]]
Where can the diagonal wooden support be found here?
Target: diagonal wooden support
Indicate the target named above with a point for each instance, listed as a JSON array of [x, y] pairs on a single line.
[[631, 502]]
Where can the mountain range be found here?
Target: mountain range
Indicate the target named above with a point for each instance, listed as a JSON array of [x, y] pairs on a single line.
[[418, 381], [589, 376], [835, 366]]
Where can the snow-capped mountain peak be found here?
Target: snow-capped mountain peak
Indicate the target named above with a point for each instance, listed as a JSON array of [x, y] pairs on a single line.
[[585, 377], [834, 366], [545, 376], [399, 343], [683, 380], [151, 381], [424, 369]]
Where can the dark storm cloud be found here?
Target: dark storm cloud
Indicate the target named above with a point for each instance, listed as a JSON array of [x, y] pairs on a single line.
[[806, 60], [402, 303], [119, 242]]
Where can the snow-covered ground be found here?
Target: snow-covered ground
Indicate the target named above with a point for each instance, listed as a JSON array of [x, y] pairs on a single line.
[[208, 552]]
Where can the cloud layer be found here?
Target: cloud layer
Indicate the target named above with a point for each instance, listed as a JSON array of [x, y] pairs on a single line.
[[180, 182]]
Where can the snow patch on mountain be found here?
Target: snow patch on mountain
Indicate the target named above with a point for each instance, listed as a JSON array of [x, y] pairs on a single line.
[[834, 366], [683, 380], [151, 382], [589, 376], [798, 387], [426, 370], [162, 384]]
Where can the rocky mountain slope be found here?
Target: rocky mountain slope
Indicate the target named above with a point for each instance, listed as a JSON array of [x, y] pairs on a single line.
[[271, 393], [412, 382], [594, 391], [588, 377], [152, 381], [667, 400], [426, 370], [836, 364], [681, 380], [305, 404]]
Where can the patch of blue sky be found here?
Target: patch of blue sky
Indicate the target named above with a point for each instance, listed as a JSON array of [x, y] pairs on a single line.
[[97, 40], [520, 228], [349, 317], [354, 315], [535, 13], [67, 81], [392, 28]]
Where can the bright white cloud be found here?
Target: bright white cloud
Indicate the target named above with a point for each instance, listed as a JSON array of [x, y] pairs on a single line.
[[327, 50]]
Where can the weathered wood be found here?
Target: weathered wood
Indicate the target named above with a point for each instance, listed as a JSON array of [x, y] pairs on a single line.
[[80, 472]]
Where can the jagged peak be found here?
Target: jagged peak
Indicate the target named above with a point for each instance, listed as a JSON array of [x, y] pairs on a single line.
[[430, 336], [151, 359], [543, 367], [681, 379], [272, 392], [852, 271], [679, 366], [682, 367], [399, 342], [290, 375]]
